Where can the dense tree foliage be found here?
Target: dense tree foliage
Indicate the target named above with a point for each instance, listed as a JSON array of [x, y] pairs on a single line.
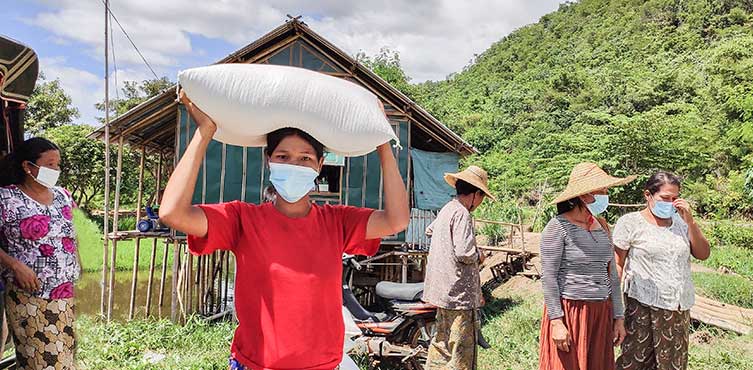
[[49, 106], [636, 86]]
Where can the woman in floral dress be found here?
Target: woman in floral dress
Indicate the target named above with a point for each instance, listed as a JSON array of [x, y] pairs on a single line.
[[40, 260]]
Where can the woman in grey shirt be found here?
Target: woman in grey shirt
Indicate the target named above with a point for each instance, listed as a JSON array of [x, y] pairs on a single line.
[[583, 315]]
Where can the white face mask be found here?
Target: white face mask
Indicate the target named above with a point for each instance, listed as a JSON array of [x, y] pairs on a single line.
[[46, 176]]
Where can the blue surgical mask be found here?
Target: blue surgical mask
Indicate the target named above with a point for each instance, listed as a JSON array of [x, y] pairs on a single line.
[[600, 204], [292, 182], [663, 209]]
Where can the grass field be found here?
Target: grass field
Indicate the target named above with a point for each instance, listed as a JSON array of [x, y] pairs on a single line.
[[90, 247], [512, 326], [132, 345]]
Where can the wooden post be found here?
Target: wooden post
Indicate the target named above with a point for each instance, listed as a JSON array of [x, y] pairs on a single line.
[[149, 284], [174, 302], [200, 283], [522, 232], [204, 285], [106, 228], [542, 193], [134, 279], [186, 284], [164, 275], [113, 259], [227, 278], [510, 241], [152, 260], [210, 283], [139, 199], [183, 284], [189, 285]]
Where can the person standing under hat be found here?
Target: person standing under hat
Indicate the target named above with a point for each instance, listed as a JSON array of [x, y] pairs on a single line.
[[583, 313], [657, 243], [452, 273]]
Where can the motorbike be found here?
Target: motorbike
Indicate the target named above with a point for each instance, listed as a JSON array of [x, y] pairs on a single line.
[[400, 332]]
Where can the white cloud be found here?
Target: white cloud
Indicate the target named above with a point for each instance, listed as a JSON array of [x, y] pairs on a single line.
[[84, 88], [434, 37]]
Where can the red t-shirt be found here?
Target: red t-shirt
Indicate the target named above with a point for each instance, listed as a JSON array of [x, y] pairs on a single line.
[[288, 293]]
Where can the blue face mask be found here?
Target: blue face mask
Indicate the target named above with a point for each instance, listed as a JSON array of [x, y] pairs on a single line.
[[600, 204], [292, 182], [663, 209]]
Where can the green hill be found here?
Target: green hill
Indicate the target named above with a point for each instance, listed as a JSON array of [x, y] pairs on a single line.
[[635, 86]]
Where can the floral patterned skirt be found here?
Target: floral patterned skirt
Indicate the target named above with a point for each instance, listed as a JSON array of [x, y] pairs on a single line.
[[656, 339], [42, 330]]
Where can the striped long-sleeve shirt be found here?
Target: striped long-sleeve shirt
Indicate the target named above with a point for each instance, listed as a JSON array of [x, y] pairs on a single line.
[[576, 266]]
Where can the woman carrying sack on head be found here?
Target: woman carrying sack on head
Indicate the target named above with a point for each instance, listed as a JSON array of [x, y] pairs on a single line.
[[654, 247], [41, 259], [288, 251], [583, 313]]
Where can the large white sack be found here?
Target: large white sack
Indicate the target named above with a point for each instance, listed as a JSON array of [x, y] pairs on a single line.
[[248, 101]]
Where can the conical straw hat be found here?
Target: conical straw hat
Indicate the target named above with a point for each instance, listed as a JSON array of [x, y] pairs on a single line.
[[587, 177], [473, 175]]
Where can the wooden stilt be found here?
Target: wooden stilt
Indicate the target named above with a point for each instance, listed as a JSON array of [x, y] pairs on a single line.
[[150, 282], [134, 279], [227, 280], [113, 259], [198, 283], [106, 228], [139, 200], [164, 275], [153, 258], [187, 300], [174, 295], [187, 283], [210, 283]]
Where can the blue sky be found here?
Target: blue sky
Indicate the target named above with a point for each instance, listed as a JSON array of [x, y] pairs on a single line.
[[434, 37]]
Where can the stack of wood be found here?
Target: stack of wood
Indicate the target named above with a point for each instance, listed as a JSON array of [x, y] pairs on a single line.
[[722, 315]]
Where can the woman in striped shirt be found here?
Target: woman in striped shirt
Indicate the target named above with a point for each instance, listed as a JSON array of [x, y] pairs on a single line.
[[583, 315]]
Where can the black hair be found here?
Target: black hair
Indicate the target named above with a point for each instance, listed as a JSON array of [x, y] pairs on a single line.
[[11, 167], [569, 205], [275, 137], [657, 180], [464, 188]]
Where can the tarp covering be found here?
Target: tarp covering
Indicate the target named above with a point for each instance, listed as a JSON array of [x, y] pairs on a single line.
[[415, 235], [18, 74], [430, 190]]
